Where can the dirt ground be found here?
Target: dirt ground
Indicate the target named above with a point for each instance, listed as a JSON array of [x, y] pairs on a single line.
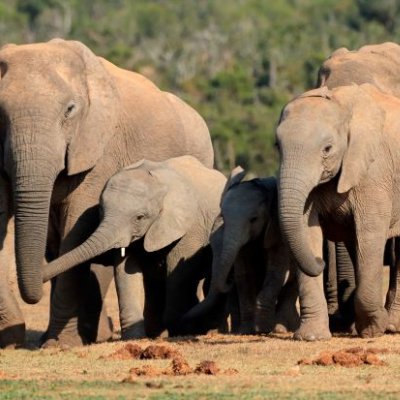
[[213, 366]]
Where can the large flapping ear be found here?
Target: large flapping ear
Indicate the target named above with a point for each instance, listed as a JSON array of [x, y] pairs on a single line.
[[365, 132], [98, 125], [178, 214]]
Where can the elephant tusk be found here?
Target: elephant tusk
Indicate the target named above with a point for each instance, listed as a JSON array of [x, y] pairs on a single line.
[[122, 251]]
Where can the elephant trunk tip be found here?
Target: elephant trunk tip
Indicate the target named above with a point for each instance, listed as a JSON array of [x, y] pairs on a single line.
[[224, 287], [31, 295]]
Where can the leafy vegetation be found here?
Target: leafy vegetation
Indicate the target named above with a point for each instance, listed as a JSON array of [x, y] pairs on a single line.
[[235, 61]]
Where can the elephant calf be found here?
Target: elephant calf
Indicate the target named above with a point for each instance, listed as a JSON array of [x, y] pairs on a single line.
[[249, 245], [163, 212]]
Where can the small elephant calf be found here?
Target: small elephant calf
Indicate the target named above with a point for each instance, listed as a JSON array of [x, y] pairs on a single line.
[[248, 245], [163, 213]]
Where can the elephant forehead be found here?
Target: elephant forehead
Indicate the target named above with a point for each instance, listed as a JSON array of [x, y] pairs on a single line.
[[308, 109], [125, 187], [244, 196], [42, 53]]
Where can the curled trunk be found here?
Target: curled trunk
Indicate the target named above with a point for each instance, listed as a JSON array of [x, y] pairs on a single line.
[[102, 240]]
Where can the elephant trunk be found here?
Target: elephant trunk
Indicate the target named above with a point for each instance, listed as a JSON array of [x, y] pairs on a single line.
[[31, 222], [293, 194], [102, 240], [223, 265]]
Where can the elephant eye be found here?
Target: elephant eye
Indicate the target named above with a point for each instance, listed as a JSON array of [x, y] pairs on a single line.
[[139, 217], [327, 150], [253, 219], [69, 110]]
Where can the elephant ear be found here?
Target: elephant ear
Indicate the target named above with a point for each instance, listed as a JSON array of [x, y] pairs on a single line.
[[178, 214], [87, 146], [235, 177], [364, 134]]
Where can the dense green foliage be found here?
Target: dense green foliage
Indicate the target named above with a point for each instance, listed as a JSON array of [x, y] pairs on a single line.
[[236, 61]]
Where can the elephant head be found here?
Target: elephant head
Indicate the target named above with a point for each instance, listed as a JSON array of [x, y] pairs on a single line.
[[246, 213], [378, 64], [58, 106], [145, 200], [324, 135]]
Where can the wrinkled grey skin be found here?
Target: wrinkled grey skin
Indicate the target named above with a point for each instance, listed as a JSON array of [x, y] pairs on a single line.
[[12, 325], [338, 176], [70, 120], [248, 248], [166, 210], [377, 64]]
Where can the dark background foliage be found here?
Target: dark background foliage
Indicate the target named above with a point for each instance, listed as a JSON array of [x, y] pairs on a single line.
[[237, 62]]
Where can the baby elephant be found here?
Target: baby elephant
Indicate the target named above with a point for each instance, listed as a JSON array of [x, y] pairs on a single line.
[[163, 213], [248, 245]]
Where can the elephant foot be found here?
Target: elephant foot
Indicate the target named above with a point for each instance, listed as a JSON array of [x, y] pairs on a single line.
[[134, 331], [12, 336], [280, 328], [246, 328], [63, 341], [393, 325], [312, 330], [264, 319], [373, 325], [287, 321], [340, 324]]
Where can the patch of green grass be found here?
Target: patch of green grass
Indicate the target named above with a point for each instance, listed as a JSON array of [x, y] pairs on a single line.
[[162, 390]]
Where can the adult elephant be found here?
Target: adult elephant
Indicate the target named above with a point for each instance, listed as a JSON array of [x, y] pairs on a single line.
[[377, 64], [70, 120], [339, 175]]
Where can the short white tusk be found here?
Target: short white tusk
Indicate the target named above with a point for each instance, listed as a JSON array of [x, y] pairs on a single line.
[[122, 251]]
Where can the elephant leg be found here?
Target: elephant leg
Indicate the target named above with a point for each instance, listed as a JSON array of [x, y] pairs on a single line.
[[93, 321], [330, 276], [184, 272], [314, 320], [154, 306], [130, 291], [371, 316], [246, 283], [393, 295], [345, 259], [67, 299], [267, 298], [71, 290], [12, 324], [233, 310], [287, 316]]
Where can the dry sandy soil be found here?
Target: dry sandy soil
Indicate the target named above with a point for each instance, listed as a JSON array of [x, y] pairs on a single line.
[[241, 367]]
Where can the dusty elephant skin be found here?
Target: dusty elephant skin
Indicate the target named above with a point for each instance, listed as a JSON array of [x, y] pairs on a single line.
[[167, 210], [80, 119], [377, 64], [338, 175], [12, 325], [247, 245]]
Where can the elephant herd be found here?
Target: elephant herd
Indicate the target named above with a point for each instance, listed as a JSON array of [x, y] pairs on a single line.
[[103, 176]]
